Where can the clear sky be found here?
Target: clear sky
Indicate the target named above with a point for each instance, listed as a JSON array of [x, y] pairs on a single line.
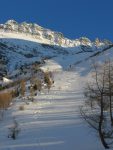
[[74, 18]]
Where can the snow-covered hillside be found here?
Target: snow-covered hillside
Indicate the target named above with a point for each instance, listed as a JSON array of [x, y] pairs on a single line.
[[53, 120], [24, 44], [36, 33]]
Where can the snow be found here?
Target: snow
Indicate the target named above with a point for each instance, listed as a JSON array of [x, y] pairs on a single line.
[[24, 49], [41, 35], [22, 36], [21, 45], [53, 120], [51, 65], [6, 81]]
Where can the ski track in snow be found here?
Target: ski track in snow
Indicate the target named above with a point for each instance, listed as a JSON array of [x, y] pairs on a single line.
[[53, 122]]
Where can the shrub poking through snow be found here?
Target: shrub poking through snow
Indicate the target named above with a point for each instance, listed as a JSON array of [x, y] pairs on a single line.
[[38, 85], [14, 130], [5, 99], [32, 93], [35, 86], [23, 88], [47, 80], [21, 107]]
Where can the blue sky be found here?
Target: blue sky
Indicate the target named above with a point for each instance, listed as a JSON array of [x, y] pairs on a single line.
[[74, 18]]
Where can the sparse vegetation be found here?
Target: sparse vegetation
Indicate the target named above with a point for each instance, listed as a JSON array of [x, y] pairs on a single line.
[[14, 130], [47, 80], [5, 99], [21, 107], [22, 88], [38, 85], [99, 102]]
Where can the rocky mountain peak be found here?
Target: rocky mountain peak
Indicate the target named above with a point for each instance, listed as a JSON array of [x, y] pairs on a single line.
[[51, 37]]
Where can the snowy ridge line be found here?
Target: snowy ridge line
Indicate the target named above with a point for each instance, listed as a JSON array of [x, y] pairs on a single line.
[[43, 35]]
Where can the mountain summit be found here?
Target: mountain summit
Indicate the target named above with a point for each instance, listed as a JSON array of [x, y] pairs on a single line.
[[46, 35], [23, 44]]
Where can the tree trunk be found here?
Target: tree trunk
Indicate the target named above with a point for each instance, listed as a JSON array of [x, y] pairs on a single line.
[[110, 93], [111, 117], [101, 123], [101, 135]]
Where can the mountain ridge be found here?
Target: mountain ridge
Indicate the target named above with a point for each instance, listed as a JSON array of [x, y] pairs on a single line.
[[22, 48], [53, 37]]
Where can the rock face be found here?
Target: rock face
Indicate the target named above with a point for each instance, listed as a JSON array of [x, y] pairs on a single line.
[[55, 38]]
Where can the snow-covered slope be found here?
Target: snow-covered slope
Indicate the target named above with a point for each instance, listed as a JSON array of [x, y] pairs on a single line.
[[24, 44], [36, 33], [52, 121]]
